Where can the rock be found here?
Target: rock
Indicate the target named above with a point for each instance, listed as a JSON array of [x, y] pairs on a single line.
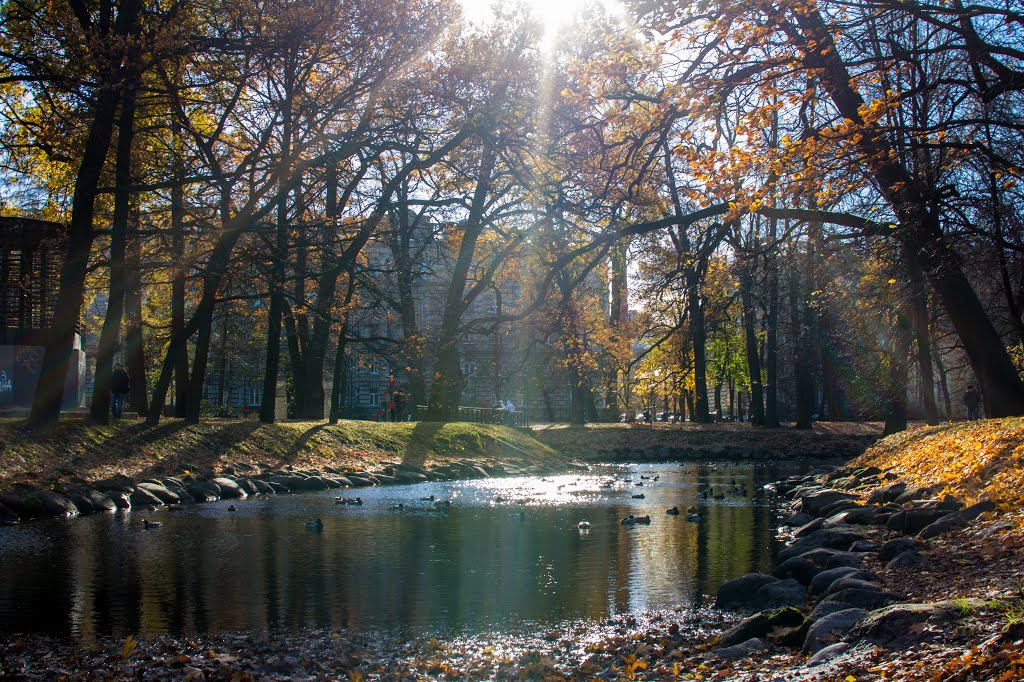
[[907, 559], [893, 547], [857, 516], [886, 493], [913, 521], [262, 488], [798, 568], [204, 491], [822, 539], [787, 592], [731, 653], [117, 484], [824, 580], [144, 498], [833, 558], [849, 582], [825, 608], [996, 529], [736, 593], [160, 491], [229, 490], [798, 519], [976, 510], [864, 599], [913, 493], [410, 477], [101, 502], [902, 624], [760, 625], [828, 629], [82, 503], [814, 502], [811, 527], [278, 488], [944, 525], [7, 516], [30, 503], [838, 507], [120, 499], [865, 546], [827, 654], [247, 486]]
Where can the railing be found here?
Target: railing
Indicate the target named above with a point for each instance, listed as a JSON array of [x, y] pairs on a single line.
[[485, 415]]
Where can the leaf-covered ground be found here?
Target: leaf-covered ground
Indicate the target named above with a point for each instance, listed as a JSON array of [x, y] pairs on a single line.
[[970, 460], [78, 448]]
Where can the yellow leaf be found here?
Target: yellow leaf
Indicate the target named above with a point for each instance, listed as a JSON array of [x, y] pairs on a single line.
[[129, 646]]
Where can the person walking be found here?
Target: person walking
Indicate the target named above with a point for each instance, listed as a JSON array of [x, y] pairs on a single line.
[[399, 400], [120, 386], [972, 399]]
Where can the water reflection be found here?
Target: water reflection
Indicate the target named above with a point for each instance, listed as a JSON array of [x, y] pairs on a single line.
[[507, 554]]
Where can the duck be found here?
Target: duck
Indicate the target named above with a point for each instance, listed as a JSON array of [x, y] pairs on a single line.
[[428, 499], [639, 496], [232, 508], [656, 478], [643, 520], [693, 518], [397, 507], [692, 510], [639, 484], [442, 504], [583, 525], [628, 521], [348, 500], [644, 478], [719, 496], [674, 511], [315, 524], [150, 525]]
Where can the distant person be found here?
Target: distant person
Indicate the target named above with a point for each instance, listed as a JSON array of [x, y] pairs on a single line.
[[120, 386], [398, 398], [510, 407], [647, 416], [972, 399]]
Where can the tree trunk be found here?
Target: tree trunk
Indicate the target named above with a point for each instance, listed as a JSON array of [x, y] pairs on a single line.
[[801, 356], [698, 337], [771, 360], [99, 410], [49, 394], [753, 353], [896, 390], [180, 351], [135, 350]]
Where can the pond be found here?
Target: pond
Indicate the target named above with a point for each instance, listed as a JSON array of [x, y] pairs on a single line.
[[507, 554]]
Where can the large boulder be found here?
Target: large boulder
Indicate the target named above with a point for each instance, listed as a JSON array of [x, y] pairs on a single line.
[[814, 502], [847, 582], [787, 592], [204, 491], [830, 629], [160, 491], [736, 593], [863, 599], [913, 521], [117, 484], [824, 580], [82, 503], [761, 625], [229, 490], [900, 625], [833, 558], [144, 498], [944, 525], [886, 493], [798, 568], [897, 546], [822, 539], [101, 502], [31, 503], [907, 559]]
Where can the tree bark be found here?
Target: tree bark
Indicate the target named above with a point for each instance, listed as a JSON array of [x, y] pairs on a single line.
[[135, 350], [99, 410], [753, 354]]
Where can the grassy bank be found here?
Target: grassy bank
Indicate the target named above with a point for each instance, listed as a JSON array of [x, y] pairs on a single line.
[[970, 460], [606, 441], [78, 448]]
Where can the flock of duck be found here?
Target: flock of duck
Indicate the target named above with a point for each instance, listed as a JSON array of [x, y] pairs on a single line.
[[693, 513]]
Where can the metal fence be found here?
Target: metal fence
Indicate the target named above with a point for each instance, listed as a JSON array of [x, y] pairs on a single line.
[[485, 415]]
